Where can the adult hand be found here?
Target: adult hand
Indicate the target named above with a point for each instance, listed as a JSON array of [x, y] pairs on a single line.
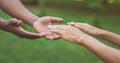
[[88, 29], [69, 33], [14, 26], [41, 26]]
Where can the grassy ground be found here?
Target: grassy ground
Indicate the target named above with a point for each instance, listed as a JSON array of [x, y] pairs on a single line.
[[19, 50]]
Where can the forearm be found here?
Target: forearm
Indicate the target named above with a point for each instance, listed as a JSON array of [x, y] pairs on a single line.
[[106, 53], [111, 37], [3, 23], [72, 34], [16, 9]]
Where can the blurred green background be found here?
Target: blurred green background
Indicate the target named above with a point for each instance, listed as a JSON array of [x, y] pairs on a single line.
[[104, 14]]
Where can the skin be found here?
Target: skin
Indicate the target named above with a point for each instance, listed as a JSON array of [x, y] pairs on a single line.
[[72, 34], [41, 26], [100, 33], [14, 26], [18, 11]]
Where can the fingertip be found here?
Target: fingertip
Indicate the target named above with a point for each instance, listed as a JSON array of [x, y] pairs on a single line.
[[50, 26], [49, 37], [56, 19], [85, 24], [19, 23], [60, 20], [71, 23]]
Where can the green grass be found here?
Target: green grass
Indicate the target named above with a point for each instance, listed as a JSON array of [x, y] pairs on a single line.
[[19, 50]]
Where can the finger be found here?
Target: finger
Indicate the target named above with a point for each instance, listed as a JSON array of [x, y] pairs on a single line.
[[29, 35], [57, 31], [82, 26], [85, 27], [56, 19], [77, 25], [13, 19], [25, 34], [15, 22], [56, 36], [33, 36], [49, 37], [71, 23], [63, 27]]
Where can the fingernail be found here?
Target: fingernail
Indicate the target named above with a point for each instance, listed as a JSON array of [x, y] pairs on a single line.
[[72, 22], [50, 26]]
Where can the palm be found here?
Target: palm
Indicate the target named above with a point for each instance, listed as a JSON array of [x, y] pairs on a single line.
[[41, 26]]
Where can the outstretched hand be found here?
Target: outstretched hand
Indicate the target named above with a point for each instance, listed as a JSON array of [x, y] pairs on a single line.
[[41, 26], [69, 33], [14, 26], [88, 29]]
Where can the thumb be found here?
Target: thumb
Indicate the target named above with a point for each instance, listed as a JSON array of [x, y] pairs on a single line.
[[56, 19], [15, 22]]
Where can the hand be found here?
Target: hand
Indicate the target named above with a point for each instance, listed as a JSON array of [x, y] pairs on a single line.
[[88, 28], [14, 26], [41, 26], [69, 33]]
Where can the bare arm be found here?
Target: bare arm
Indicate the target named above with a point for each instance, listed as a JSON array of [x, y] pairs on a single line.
[[106, 53], [3, 23], [16, 9], [111, 37], [104, 34], [13, 26]]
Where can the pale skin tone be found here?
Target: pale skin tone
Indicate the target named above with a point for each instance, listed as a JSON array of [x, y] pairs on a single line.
[[72, 34], [100, 33], [18, 11]]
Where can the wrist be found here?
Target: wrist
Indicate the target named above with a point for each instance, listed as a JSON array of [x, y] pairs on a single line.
[[103, 33], [80, 40], [86, 40], [30, 19]]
